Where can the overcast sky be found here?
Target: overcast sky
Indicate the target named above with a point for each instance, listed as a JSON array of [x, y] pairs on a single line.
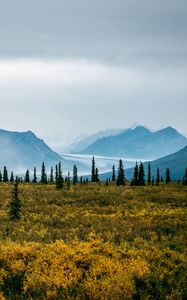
[[69, 67]]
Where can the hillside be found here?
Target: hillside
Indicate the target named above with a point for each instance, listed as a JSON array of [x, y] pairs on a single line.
[[22, 150], [139, 143], [79, 146]]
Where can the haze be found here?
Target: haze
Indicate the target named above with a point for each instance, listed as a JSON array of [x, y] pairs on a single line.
[[74, 67]]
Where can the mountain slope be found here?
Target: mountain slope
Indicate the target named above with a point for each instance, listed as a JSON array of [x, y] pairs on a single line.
[[139, 143], [176, 162], [79, 146], [21, 150]]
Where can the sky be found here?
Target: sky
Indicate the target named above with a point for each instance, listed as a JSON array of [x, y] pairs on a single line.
[[70, 68]]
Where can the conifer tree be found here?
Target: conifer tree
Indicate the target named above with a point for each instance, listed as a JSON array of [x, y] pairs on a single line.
[[185, 177], [43, 174], [149, 174], [27, 176], [12, 177], [168, 178], [68, 183], [113, 173], [75, 175], [81, 180], [58, 176], [93, 170], [34, 176], [51, 175], [5, 175], [153, 181], [135, 176], [121, 174], [106, 182], [161, 179], [1, 177], [96, 175], [158, 177], [141, 174], [15, 204]]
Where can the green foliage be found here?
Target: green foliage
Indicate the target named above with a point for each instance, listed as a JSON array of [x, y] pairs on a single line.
[[121, 174], [27, 176], [168, 178], [43, 174], [5, 174], [15, 204]]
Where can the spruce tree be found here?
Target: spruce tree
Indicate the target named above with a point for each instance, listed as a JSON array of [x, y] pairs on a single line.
[[149, 174], [106, 182], [75, 175], [27, 176], [93, 170], [1, 177], [113, 173], [96, 175], [185, 177], [58, 177], [51, 176], [43, 174], [68, 183], [12, 177], [135, 176], [121, 174], [158, 177], [34, 176], [161, 179], [15, 204], [168, 178], [5, 175], [81, 180], [141, 174]]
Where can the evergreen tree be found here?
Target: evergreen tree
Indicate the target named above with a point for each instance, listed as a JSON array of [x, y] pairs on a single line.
[[158, 177], [161, 179], [106, 182], [12, 177], [153, 181], [15, 204], [185, 177], [1, 177], [113, 173], [141, 174], [51, 175], [81, 181], [135, 176], [75, 175], [58, 176], [27, 176], [68, 183], [121, 174], [5, 175], [168, 178], [34, 176], [93, 179], [149, 174], [96, 175], [43, 174]]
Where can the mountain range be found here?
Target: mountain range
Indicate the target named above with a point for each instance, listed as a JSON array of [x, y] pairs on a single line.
[[81, 145], [176, 162], [22, 150], [138, 142]]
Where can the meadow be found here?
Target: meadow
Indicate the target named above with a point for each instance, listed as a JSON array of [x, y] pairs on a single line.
[[94, 242]]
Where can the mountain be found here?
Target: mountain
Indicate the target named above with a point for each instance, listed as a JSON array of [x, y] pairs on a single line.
[[79, 146], [22, 150], [139, 143], [176, 162]]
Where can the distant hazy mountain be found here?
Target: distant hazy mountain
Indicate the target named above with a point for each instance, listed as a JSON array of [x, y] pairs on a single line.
[[79, 146], [176, 162], [21, 150], [139, 142]]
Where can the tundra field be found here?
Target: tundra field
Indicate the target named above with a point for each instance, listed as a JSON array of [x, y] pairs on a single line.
[[94, 242]]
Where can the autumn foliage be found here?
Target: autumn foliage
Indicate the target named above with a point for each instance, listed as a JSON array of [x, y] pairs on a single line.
[[94, 242]]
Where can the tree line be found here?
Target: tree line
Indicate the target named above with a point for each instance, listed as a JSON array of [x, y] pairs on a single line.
[[56, 176]]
